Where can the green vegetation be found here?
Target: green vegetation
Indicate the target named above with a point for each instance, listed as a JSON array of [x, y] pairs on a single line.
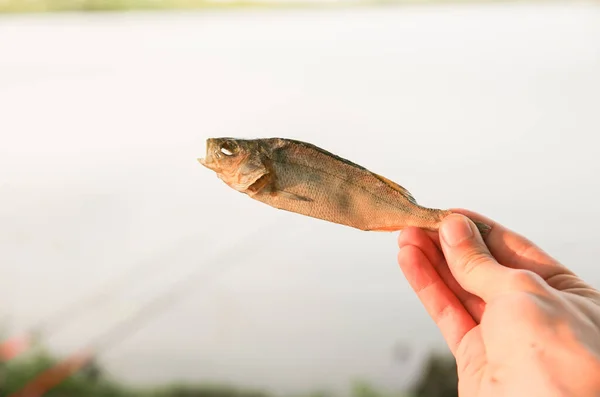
[[438, 380], [98, 5]]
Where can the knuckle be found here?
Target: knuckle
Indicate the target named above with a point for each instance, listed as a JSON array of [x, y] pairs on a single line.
[[471, 260], [441, 314], [524, 279]]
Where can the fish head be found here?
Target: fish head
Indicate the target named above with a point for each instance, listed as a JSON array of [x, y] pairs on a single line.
[[223, 154], [238, 162]]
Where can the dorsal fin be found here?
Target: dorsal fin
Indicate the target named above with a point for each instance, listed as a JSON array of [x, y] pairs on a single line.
[[396, 187], [282, 141]]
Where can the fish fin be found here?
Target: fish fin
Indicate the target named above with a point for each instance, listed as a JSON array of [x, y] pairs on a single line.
[[396, 187], [292, 196], [251, 178]]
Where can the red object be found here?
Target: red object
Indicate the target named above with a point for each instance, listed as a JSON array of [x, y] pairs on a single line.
[[11, 348], [53, 376]]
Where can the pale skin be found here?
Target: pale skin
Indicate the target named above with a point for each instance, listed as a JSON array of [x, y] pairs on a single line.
[[518, 322]]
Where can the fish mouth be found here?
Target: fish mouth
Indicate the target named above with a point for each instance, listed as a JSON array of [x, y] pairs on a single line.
[[208, 160]]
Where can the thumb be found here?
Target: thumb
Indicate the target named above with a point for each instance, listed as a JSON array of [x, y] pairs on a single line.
[[469, 259]]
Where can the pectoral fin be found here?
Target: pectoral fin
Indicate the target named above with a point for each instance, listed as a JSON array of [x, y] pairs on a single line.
[[248, 176]]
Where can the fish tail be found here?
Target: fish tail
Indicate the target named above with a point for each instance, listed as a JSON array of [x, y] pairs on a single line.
[[483, 228]]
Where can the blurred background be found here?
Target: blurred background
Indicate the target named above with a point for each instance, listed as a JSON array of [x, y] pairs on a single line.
[[116, 243]]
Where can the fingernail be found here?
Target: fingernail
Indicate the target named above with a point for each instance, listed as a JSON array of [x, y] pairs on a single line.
[[455, 229]]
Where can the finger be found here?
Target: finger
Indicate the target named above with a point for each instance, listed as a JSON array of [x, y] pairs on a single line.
[[513, 250], [442, 305], [434, 236], [423, 240], [473, 265]]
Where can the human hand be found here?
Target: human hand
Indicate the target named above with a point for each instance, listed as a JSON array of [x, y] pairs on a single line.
[[517, 321]]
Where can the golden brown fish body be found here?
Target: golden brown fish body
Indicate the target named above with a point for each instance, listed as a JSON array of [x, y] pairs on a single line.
[[300, 177]]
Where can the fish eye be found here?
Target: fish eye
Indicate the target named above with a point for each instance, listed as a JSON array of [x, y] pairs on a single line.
[[228, 148]]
